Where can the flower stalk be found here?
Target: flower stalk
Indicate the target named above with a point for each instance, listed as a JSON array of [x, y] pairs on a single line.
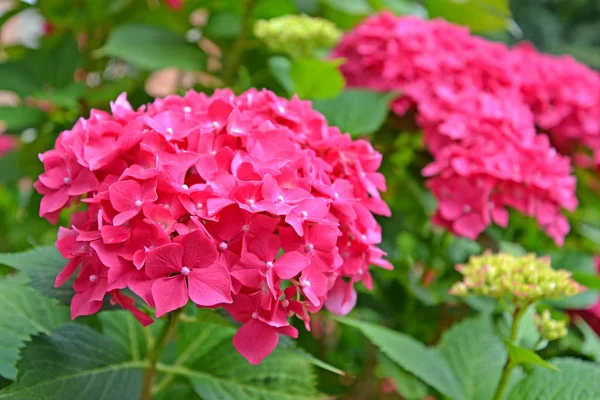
[[509, 366], [154, 354]]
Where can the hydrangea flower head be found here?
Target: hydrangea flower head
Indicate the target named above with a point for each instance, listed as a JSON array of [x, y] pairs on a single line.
[[520, 281], [550, 329], [478, 126], [248, 202]]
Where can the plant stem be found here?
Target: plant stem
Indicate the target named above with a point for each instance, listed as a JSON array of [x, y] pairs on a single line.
[[239, 46], [509, 366], [155, 352]]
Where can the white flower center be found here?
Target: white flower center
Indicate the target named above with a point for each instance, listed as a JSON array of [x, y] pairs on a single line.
[[199, 206], [255, 315], [67, 180], [336, 195], [246, 228], [303, 214], [269, 264], [169, 131], [187, 109], [223, 246], [138, 203], [186, 187], [280, 198], [93, 278], [309, 247], [285, 303], [185, 271], [466, 208], [306, 284], [250, 202]]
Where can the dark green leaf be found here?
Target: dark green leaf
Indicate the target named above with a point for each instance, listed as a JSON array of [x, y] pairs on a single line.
[[223, 25], [407, 385], [24, 313], [476, 355], [358, 112], [316, 79], [519, 355], [265, 9], [16, 78], [577, 380], [126, 333], [426, 364], [152, 48], [75, 362], [18, 118], [41, 265], [56, 62]]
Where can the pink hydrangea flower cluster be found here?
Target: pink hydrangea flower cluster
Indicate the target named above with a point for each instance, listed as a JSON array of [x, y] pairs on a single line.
[[252, 203], [564, 96], [479, 129]]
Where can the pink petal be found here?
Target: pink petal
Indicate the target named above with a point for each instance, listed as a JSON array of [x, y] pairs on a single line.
[[255, 340], [265, 246], [169, 294], [67, 272], [164, 260], [341, 299], [210, 286], [124, 194], [199, 250], [290, 264]]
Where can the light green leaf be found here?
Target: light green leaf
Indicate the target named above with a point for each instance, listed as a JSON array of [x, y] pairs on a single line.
[[18, 118], [580, 263], [577, 380], [217, 371], [591, 341], [476, 355], [520, 355], [62, 54], [316, 79], [353, 7], [590, 281], [265, 9], [426, 364], [400, 7], [17, 78], [408, 386], [75, 362], [24, 313], [41, 265], [479, 15], [152, 48], [358, 112], [280, 68]]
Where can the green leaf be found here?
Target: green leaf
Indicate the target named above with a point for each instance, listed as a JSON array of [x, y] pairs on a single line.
[[18, 118], [75, 362], [41, 265], [479, 15], [591, 341], [18, 79], [152, 48], [280, 68], [24, 313], [426, 364], [358, 112], [577, 380], [579, 263], [223, 25], [407, 385], [265, 9], [400, 7], [217, 371], [62, 54], [590, 281], [353, 7], [476, 355], [316, 79], [126, 332], [519, 355]]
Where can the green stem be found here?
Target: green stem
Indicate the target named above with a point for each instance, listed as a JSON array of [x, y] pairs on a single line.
[[155, 352], [239, 46], [509, 366]]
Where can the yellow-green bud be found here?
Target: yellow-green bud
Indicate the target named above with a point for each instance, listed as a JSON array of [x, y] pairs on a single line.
[[520, 280], [550, 329], [297, 35]]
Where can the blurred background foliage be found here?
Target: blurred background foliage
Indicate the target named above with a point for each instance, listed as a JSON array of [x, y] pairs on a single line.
[[60, 58]]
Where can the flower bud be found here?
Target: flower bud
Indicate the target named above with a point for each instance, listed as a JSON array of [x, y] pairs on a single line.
[[520, 280], [550, 329], [297, 35]]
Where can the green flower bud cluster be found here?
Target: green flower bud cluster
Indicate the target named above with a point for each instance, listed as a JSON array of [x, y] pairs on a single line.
[[519, 280], [550, 329], [297, 35]]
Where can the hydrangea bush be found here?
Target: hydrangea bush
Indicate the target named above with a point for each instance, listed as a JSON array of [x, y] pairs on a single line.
[[295, 200]]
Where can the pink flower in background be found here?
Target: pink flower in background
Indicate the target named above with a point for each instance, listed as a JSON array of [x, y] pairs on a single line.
[[478, 103], [7, 144], [252, 203]]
